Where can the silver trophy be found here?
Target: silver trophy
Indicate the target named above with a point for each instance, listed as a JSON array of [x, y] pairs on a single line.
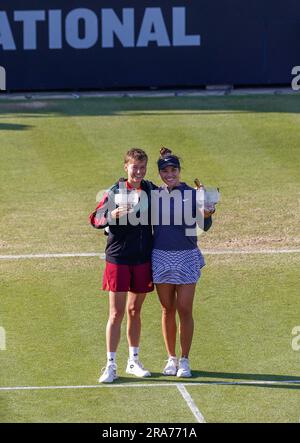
[[209, 196], [127, 199]]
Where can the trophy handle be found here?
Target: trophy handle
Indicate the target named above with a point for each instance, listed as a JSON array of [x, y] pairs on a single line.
[[198, 184]]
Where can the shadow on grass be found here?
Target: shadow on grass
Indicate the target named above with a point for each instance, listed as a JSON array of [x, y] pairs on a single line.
[[13, 127], [149, 106], [222, 378], [243, 376]]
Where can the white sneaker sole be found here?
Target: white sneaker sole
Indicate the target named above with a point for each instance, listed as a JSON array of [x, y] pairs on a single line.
[[147, 374], [187, 375], [107, 381], [170, 373]]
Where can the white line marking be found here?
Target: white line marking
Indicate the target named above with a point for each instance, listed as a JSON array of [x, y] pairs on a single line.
[[190, 402], [151, 385], [102, 255], [257, 251], [30, 256]]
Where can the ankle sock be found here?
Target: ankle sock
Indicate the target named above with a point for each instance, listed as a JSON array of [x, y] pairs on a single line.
[[134, 353], [111, 357]]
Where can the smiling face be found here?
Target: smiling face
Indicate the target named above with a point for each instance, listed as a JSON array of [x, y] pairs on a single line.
[[136, 171], [170, 176]]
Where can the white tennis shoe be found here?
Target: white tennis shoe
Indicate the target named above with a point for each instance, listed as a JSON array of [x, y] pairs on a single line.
[[136, 368], [109, 373], [184, 369], [171, 367]]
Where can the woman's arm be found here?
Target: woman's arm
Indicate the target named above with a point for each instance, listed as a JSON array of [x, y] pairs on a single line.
[[207, 223]]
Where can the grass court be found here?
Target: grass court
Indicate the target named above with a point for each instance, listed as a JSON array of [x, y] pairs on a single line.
[[55, 157]]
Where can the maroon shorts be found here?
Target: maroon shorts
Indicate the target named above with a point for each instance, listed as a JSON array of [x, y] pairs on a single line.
[[124, 278]]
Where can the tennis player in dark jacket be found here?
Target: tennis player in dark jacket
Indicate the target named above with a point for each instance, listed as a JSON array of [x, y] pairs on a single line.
[[127, 274]]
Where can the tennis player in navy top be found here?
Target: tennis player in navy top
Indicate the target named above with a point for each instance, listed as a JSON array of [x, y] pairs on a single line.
[[176, 259]]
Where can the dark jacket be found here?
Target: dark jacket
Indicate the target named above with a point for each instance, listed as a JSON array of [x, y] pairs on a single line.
[[126, 244]]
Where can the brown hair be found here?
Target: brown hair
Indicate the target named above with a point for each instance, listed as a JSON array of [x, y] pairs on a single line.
[[135, 154], [166, 152]]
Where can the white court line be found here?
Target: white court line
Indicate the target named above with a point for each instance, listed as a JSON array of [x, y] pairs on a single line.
[[257, 251], [67, 255], [151, 385], [190, 402], [180, 386], [102, 255]]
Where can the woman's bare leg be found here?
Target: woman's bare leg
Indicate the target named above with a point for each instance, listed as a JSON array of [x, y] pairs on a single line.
[[185, 298], [134, 306], [117, 303], [167, 296]]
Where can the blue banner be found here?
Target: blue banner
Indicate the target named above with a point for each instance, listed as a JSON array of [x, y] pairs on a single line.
[[121, 44]]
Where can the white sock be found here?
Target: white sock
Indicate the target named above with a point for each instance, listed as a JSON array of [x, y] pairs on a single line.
[[134, 353], [111, 357]]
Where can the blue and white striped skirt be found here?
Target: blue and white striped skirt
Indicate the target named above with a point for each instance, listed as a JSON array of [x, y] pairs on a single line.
[[177, 267]]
